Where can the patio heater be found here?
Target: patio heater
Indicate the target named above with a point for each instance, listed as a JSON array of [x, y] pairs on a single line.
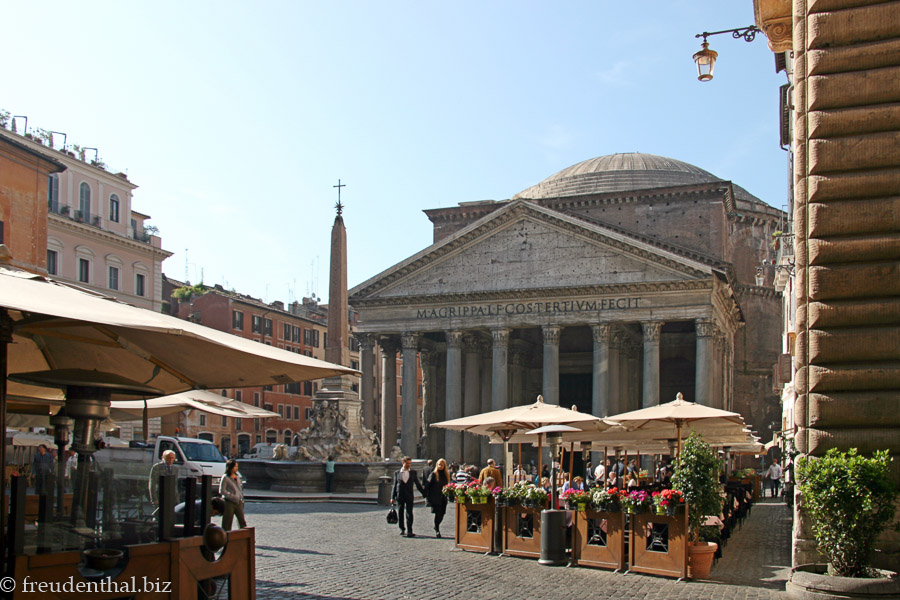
[[553, 521], [62, 425], [88, 396]]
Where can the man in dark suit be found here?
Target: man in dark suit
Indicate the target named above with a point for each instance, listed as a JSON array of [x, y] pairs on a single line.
[[402, 493]]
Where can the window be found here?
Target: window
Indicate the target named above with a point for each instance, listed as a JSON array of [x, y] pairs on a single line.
[[354, 364], [114, 278], [53, 193], [295, 334], [238, 424], [202, 420], [267, 388], [292, 388], [239, 396], [296, 413], [267, 326], [287, 332], [84, 202], [281, 410], [256, 427], [307, 388], [354, 344], [237, 319], [308, 414], [256, 324], [268, 407], [255, 398], [140, 288], [114, 208], [225, 421], [84, 270], [52, 262], [311, 337]]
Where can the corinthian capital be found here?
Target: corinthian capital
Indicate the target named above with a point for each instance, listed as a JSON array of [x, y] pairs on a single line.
[[500, 337], [705, 328], [651, 330], [454, 338], [551, 334], [410, 341], [366, 340], [600, 331]]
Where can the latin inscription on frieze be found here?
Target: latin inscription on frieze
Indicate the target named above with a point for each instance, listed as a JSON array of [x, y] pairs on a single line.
[[528, 308]]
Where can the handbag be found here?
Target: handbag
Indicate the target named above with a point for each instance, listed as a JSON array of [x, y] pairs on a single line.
[[392, 517]]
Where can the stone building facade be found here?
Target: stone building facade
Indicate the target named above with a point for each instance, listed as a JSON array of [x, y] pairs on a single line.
[[843, 59], [611, 285]]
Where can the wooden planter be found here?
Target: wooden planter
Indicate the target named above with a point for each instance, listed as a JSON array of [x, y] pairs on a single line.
[[659, 544], [522, 531], [475, 527], [599, 539]]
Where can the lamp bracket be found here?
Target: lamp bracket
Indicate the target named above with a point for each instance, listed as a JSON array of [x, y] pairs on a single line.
[[748, 33]]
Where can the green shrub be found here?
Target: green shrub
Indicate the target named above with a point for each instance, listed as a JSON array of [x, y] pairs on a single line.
[[186, 291], [850, 500], [696, 475]]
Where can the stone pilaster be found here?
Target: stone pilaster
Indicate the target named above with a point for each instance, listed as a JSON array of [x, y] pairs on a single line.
[[615, 355], [706, 331], [499, 376], [487, 367], [367, 382], [433, 410]]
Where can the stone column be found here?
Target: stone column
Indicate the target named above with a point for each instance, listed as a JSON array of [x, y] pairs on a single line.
[[706, 330], [388, 396], [409, 413], [499, 377], [487, 366], [717, 376], [551, 364], [600, 382], [453, 400], [433, 410], [615, 353], [651, 363], [367, 381], [471, 395]]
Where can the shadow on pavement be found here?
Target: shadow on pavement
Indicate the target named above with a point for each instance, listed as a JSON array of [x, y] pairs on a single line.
[[291, 550], [263, 589]]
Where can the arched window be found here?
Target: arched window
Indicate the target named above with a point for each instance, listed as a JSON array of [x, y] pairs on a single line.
[[84, 202], [114, 208]]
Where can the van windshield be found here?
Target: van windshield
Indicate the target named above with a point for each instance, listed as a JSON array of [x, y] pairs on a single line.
[[198, 452]]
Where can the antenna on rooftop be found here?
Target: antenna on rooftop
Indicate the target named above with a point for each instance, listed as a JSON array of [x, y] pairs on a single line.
[[186, 277]]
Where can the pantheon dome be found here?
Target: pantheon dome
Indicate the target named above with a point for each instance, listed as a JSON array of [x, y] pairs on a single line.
[[623, 172]]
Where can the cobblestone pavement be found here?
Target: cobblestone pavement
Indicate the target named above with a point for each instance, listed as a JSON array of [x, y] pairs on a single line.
[[326, 551]]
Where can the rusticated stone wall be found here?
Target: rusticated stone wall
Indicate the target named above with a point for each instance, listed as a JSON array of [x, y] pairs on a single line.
[[847, 228]]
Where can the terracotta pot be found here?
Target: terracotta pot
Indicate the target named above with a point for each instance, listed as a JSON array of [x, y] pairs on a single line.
[[809, 582], [700, 559]]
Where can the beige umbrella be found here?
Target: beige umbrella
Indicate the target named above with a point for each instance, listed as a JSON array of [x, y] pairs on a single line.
[[208, 402], [667, 421], [505, 423]]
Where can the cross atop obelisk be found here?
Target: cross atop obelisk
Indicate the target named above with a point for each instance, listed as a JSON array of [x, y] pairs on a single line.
[[339, 206]]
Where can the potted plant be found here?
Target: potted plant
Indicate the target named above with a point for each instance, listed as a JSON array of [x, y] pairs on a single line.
[[477, 493], [635, 501], [606, 500], [502, 496], [849, 499], [535, 497], [667, 502], [696, 476], [576, 499]]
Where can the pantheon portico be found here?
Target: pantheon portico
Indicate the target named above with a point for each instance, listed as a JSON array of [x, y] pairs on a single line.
[[543, 294]]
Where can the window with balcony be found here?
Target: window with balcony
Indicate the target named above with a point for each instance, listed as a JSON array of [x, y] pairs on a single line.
[[140, 285], [84, 270], [237, 319], [53, 262], [84, 203], [114, 278], [114, 208]]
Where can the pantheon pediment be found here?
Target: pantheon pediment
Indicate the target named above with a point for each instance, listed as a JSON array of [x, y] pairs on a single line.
[[524, 246]]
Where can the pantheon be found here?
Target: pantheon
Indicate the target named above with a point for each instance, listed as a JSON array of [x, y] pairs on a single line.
[[612, 285]]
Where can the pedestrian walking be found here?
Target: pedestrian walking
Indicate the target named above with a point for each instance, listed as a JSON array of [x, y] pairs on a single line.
[[402, 494], [434, 493], [232, 489]]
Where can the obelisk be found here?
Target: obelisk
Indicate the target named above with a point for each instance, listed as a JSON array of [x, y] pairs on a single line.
[[337, 426]]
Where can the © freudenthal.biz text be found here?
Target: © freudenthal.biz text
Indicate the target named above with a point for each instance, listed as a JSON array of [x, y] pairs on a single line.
[[135, 585]]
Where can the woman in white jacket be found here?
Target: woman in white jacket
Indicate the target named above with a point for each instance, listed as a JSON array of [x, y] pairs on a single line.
[[232, 490]]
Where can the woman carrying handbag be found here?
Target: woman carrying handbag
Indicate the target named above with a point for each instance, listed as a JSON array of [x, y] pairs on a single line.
[[232, 489]]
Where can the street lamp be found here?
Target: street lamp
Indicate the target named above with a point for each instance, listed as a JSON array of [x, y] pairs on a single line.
[[706, 58]]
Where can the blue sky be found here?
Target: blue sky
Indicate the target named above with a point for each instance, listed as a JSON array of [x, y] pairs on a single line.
[[237, 118]]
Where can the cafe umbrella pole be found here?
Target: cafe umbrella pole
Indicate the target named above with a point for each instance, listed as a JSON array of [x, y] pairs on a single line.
[[553, 521]]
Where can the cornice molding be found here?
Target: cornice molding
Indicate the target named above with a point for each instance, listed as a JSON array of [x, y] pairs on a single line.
[[755, 290], [93, 232], [536, 293]]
